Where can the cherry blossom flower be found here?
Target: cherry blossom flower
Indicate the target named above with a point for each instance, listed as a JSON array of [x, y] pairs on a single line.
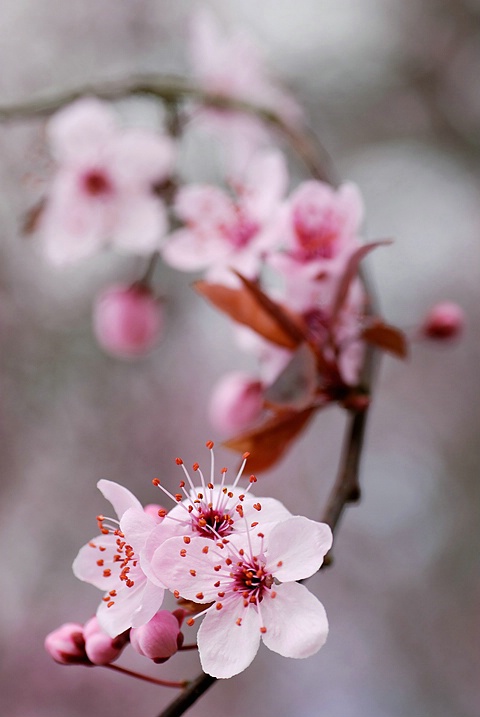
[[321, 230], [112, 562], [444, 321], [230, 231], [236, 402], [103, 191], [250, 581], [211, 510]]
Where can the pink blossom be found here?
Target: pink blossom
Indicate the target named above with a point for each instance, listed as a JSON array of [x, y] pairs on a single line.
[[322, 227], [127, 321], [236, 402], [251, 581], [212, 509], [224, 232], [445, 320], [112, 562], [66, 644], [103, 191], [102, 649], [159, 638]]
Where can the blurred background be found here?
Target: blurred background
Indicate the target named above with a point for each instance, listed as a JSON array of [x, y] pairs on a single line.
[[391, 88]]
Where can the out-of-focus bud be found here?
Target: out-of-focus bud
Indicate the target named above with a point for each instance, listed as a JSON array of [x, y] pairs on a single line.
[[158, 512], [127, 321], [101, 649], [445, 320], [236, 402], [66, 645], [159, 639]]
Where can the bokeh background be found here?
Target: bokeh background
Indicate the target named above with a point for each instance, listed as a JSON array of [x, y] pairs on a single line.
[[391, 87]]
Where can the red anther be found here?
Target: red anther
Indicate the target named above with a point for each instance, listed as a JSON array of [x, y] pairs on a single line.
[[100, 563], [200, 596], [101, 548], [186, 539], [221, 595], [219, 606], [217, 568], [252, 479], [225, 541], [193, 573], [190, 621], [246, 455], [130, 583], [104, 531], [205, 549], [217, 584], [224, 470], [242, 552], [228, 561], [273, 594], [239, 510], [209, 444], [280, 563], [196, 466], [190, 508], [241, 497], [202, 522], [107, 572], [110, 604], [263, 630], [200, 496], [183, 553], [260, 535], [211, 486], [179, 461], [100, 518], [181, 484], [230, 494], [178, 497], [106, 598], [113, 593], [238, 621], [257, 506], [156, 482], [176, 594], [162, 512], [253, 600], [245, 603], [92, 545]]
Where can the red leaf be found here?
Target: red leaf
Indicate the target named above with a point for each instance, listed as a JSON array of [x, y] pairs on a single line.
[[250, 306], [386, 337], [351, 271], [267, 444]]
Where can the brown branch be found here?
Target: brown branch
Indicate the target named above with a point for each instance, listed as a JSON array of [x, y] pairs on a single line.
[[189, 696]]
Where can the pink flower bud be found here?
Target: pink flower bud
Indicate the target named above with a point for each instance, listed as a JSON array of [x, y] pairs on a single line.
[[101, 649], [127, 321], [66, 644], [236, 402], [158, 512], [445, 320], [159, 639]]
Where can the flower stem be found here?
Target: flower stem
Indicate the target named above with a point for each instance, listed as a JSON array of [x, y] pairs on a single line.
[[147, 678]]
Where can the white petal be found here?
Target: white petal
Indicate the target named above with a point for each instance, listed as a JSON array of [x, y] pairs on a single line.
[[187, 250], [296, 621], [151, 602], [296, 548], [140, 223], [81, 129], [119, 496], [140, 157], [118, 618], [137, 525], [86, 568], [187, 568], [226, 648]]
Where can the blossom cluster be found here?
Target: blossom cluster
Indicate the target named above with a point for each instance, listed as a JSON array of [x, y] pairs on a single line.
[[224, 553]]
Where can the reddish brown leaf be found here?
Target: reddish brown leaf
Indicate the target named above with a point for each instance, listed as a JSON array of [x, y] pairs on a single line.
[[268, 443], [351, 271], [386, 337], [254, 309]]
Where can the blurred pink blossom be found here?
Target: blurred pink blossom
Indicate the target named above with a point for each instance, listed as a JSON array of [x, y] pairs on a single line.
[[236, 402], [127, 321], [103, 190], [445, 320], [224, 232]]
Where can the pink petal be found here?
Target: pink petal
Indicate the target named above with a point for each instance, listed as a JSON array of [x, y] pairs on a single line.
[[186, 568], [121, 498], [188, 251], [159, 535], [296, 621], [85, 564], [204, 205], [151, 602], [265, 184], [137, 526], [296, 548], [118, 618], [79, 131], [140, 157], [227, 648], [350, 202]]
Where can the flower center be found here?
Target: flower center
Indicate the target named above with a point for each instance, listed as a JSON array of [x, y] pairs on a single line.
[[316, 231], [251, 579], [96, 183]]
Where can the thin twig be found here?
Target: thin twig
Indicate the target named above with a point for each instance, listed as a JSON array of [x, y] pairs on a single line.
[[147, 678]]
